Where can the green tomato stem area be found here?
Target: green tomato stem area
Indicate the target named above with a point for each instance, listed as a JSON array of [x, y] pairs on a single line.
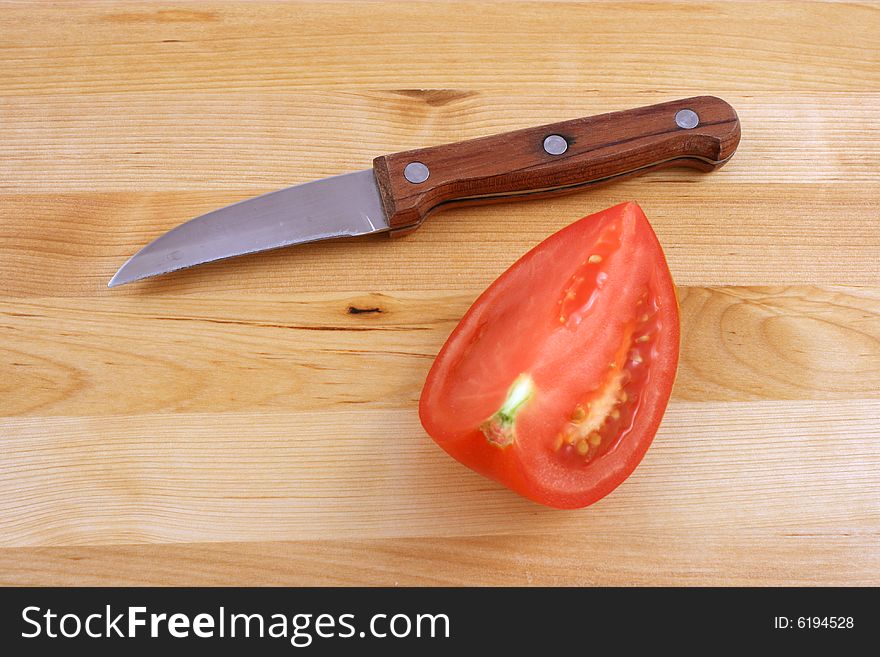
[[500, 428]]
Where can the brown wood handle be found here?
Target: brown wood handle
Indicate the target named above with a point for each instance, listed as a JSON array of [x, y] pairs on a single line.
[[517, 165]]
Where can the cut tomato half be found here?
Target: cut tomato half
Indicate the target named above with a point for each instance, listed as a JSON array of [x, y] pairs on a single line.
[[555, 381]]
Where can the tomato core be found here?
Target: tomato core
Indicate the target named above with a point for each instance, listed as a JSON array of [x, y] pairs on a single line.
[[500, 428]]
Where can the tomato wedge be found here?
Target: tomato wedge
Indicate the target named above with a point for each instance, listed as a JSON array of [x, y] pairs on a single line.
[[555, 381]]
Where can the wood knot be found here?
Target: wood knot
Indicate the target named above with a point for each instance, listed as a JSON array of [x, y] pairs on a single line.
[[436, 97], [355, 310]]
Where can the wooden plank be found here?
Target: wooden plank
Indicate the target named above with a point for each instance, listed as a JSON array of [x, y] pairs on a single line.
[[366, 474], [70, 245], [191, 46], [260, 141], [311, 352], [740, 557], [779, 343]]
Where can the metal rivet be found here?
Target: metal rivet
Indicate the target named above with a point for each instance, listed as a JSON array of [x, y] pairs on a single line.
[[686, 119], [555, 145], [416, 172]]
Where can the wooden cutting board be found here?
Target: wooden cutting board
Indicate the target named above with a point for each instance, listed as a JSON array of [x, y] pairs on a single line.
[[254, 421]]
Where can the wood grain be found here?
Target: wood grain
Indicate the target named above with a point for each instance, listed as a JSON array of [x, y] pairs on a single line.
[[612, 46], [742, 557], [70, 245], [366, 473], [226, 141], [238, 424], [779, 343], [341, 351]]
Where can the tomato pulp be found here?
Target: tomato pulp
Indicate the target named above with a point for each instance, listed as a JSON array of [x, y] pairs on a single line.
[[555, 381]]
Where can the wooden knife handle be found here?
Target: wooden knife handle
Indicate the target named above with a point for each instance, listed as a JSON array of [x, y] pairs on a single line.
[[701, 132]]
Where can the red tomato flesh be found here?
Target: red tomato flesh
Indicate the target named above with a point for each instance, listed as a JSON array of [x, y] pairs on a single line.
[[555, 381]]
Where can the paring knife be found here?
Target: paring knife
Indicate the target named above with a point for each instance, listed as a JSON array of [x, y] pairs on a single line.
[[402, 189]]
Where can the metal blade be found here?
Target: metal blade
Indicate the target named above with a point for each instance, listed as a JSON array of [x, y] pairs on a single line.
[[341, 206]]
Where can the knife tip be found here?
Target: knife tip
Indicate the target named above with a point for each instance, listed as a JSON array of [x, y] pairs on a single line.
[[117, 280]]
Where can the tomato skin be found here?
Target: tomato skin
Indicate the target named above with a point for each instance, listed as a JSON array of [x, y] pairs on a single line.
[[556, 379]]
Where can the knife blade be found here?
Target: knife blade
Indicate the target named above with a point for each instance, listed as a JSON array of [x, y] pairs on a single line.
[[401, 190]]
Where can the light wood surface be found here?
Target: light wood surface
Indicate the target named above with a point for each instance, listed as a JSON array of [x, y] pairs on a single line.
[[237, 424]]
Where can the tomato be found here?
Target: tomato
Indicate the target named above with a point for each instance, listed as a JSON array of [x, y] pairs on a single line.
[[556, 379]]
